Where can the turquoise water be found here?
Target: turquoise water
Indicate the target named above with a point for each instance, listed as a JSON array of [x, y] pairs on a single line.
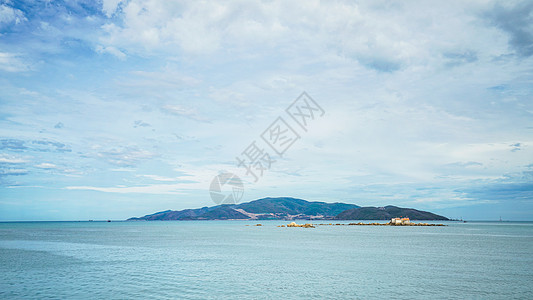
[[226, 259]]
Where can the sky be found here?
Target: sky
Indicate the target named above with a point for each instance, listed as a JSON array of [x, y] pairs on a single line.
[[112, 109]]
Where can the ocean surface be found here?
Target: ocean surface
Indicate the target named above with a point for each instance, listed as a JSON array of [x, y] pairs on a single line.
[[227, 259]]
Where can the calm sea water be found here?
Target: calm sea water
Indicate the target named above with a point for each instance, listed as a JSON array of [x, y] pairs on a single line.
[[226, 259]]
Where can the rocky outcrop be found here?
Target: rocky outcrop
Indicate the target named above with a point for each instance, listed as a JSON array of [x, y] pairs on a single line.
[[307, 225], [381, 224]]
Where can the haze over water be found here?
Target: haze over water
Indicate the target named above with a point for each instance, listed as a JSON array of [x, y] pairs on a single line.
[[226, 259]]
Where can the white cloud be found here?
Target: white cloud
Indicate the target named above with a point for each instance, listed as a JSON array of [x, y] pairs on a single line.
[[111, 50], [11, 160], [160, 189], [193, 178], [179, 110], [46, 166], [122, 170], [159, 178], [110, 6], [125, 156], [167, 78], [12, 62], [380, 36], [10, 15]]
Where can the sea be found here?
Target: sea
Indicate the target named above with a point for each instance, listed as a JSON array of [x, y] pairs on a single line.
[[236, 260]]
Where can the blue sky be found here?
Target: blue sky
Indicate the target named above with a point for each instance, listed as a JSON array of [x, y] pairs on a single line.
[[113, 109]]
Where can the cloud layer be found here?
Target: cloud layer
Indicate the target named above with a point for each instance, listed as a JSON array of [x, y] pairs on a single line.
[[139, 104]]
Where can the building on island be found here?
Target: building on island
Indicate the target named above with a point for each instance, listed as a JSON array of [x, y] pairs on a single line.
[[400, 221]]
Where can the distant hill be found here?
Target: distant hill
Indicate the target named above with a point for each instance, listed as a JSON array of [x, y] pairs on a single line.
[[283, 208], [386, 213], [293, 206]]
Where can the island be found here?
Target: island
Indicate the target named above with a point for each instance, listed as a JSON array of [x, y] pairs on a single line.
[[286, 208]]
